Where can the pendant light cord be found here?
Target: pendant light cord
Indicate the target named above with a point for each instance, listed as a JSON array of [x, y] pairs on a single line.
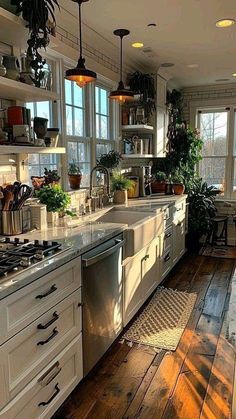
[[121, 58], [80, 29]]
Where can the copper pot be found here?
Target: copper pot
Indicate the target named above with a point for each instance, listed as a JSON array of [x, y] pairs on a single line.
[[178, 188], [75, 181]]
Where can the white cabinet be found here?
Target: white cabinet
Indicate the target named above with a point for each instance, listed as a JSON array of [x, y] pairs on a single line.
[[161, 91], [141, 275], [178, 239], [160, 146]]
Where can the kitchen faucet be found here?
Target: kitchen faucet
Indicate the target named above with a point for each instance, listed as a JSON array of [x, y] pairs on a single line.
[[100, 195]]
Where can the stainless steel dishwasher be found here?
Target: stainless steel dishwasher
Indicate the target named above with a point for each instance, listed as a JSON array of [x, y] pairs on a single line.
[[102, 299]]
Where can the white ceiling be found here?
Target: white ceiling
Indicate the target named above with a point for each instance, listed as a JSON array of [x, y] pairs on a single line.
[[185, 34]]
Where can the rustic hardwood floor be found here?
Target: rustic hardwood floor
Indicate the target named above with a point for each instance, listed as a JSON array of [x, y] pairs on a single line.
[[195, 381]]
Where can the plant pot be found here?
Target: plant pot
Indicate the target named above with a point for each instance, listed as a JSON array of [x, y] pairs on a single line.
[[178, 188], [120, 197], [52, 217], [158, 187], [75, 181]]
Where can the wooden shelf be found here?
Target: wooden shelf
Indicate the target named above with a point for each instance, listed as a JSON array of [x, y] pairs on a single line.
[[21, 149], [12, 29], [138, 128], [137, 156], [15, 90]]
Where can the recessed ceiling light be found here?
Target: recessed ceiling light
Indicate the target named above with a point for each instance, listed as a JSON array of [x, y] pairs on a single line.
[[137, 45], [167, 65], [234, 74], [222, 79], [192, 65], [152, 25], [225, 23]]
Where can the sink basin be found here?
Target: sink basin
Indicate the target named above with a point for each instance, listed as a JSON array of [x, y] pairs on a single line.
[[143, 227]]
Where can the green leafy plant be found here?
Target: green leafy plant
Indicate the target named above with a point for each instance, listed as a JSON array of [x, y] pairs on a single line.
[[110, 160], [120, 182], [51, 176], [144, 85], [177, 177], [37, 14], [201, 208], [160, 176], [74, 168], [55, 199]]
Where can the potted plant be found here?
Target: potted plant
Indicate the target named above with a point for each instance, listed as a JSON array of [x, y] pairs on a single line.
[[144, 85], [74, 175], [110, 160], [158, 184], [51, 177], [40, 18], [177, 183], [55, 199], [120, 185]]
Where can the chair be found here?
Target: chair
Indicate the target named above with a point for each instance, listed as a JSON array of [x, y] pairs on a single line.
[[220, 230]]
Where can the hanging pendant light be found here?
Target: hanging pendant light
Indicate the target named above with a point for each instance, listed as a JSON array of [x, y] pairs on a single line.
[[121, 94], [80, 74]]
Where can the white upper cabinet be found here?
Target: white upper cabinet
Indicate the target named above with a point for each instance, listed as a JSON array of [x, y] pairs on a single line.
[[161, 92]]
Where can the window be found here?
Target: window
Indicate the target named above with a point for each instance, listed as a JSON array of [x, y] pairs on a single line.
[[37, 162], [103, 131]]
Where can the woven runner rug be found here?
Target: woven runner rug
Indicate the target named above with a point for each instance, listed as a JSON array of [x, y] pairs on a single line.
[[227, 252], [162, 322]]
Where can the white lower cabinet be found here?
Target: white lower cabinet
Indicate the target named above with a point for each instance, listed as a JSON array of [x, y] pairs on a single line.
[[178, 239], [46, 392], [141, 275]]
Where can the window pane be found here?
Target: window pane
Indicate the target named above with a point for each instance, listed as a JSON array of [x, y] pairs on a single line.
[[68, 92], [213, 128], [43, 110], [69, 126], [104, 127], [85, 169], [104, 102], [78, 96], [212, 170], [78, 151], [79, 123], [102, 149], [97, 99], [31, 107], [98, 126]]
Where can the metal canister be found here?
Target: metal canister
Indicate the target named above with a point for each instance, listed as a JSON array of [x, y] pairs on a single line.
[[12, 222]]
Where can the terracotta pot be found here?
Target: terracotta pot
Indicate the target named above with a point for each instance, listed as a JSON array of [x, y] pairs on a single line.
[[75, 181], [158, 187], [178, 188], [120, 197]]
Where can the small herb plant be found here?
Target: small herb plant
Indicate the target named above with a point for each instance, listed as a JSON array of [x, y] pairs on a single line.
[[120, 182], [74, 168], [51, 176], [177, 177], [110, 160], [55, 199], [160, 176]]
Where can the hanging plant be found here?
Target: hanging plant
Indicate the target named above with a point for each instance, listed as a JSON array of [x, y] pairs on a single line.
[[39, 15], [144, 85]]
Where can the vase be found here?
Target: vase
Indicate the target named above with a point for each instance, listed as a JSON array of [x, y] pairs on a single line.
[[26, 74], [40, 129], [158, 187], [52, 218], [178, 188], [3, 69], [120, 197], [75, 181], [12, 66]]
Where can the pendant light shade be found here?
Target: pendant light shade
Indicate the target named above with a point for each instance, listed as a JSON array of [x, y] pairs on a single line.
[[121, 94], [80, 74]]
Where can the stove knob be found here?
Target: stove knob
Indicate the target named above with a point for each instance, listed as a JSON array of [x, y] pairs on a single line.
[[36, 242], [45, 243], [7, 239], [26, 241], [17, 240]]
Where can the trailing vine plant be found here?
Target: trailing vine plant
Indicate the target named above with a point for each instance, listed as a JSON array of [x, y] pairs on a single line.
[[40, 17]]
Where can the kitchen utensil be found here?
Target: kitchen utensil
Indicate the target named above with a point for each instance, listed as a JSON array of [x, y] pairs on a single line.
[[11, 222], [21, 194], [7, 200]]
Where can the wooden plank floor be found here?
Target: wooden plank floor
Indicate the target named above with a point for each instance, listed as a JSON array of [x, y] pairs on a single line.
[[195, 381]]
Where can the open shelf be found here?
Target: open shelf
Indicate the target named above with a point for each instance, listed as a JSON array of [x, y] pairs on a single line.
[[12, 29], [24, 149], [138, 128], [137, 156], [15, 90]]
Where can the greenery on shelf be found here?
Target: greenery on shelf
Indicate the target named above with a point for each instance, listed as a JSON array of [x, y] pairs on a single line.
[[160, 176], [201, 209], [39, 15], [120, 182], [74, 168], [55, 199], [110, 160], [144, 85]]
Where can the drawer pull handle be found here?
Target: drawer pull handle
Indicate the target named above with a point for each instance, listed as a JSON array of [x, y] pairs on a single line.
[[53, 335], [167, 257], [168, 235], [57, 391], [146, 257], [52, 289], [55, 317], [48, 376], [179, 209]]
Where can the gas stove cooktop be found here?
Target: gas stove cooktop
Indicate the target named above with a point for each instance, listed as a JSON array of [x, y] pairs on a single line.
[[16, 255]]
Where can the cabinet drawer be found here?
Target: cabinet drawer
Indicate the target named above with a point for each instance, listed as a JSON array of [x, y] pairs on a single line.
[[167, 239], [166, 263], [47, 391], [168, 216], [23, 356], [30, 302], [179, 210]]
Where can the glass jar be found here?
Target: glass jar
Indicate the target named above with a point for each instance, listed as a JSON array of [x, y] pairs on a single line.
[[140, 115]]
